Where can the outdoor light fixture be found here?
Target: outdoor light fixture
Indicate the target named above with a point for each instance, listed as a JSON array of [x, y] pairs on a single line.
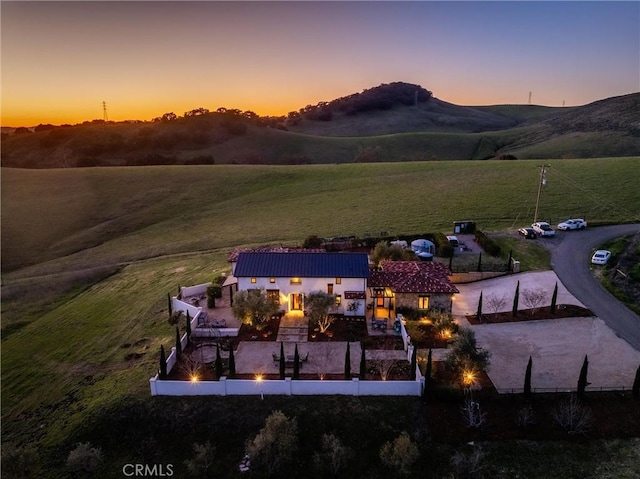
[[194, 378]]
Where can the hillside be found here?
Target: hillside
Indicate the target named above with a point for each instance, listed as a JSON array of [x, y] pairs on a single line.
[[395, 122]]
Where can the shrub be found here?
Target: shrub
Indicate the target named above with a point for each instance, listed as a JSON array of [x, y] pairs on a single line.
[[275, 444], [443, 247], [333, 456], [572, 416], [85, 458], [487, 244], [20, 462], [400, 454], [202, 460], [409, 313]]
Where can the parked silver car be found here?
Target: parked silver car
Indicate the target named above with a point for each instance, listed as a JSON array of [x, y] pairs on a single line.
[[573, 224]]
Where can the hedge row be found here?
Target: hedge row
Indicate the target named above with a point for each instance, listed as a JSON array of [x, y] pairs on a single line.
[[487, 244]]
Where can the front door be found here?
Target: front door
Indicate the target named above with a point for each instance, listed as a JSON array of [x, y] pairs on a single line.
[[296, 302]]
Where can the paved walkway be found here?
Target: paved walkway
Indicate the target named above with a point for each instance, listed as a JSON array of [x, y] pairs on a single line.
[[557, 346], [293, 329]]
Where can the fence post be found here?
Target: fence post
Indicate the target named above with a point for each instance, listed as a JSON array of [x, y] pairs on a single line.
[[356, 386], [287, 382], [223, 380]]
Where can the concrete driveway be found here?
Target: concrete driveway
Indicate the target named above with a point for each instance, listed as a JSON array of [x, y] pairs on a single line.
[[557, 346]]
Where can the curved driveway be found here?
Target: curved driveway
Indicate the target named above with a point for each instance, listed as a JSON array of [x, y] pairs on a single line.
[[571, 257]]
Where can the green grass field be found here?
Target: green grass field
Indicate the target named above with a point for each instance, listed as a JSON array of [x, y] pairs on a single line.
[[90, 254]]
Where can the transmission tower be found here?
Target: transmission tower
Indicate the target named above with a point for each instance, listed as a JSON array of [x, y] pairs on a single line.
[[105, 117], [529, 98]]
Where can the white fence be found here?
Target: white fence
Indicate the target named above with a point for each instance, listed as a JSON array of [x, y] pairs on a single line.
[[195, 290], [287, 387]]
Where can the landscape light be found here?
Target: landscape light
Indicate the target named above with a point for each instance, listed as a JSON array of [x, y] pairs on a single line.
[[194, 378]]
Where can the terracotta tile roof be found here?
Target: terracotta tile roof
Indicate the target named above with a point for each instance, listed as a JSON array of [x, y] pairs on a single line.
[[233, 256], [413, 277]]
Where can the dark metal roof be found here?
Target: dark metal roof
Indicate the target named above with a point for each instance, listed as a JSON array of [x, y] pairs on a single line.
[[303, 265]]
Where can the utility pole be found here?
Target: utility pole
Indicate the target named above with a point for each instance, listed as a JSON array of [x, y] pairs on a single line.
[[105, 117], [541, 183]]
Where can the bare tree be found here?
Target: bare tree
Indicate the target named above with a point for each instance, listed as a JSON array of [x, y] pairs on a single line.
[[333, 456], [472, 414], [202, 460], [571, 415], [468, 464], [322, 360], [534, 298], [496, 303], [275, 444], [383, 362], [525, 417]]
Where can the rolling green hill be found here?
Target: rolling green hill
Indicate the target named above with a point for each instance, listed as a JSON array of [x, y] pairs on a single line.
[[382, 125]]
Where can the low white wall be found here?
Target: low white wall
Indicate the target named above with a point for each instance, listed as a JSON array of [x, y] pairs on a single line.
[[287, 387], [179, 305], [194, 290]]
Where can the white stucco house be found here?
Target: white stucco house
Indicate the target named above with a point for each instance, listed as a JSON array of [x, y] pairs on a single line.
[[290, 276]]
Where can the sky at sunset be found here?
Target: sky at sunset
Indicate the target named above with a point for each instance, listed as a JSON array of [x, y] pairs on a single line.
[[61, 60]]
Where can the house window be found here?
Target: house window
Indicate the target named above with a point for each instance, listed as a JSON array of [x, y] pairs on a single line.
[[274, 294], [329, 288], [253, 281], [295, 281], [380, 302], [338, 280], [423, 302], [272, 280], [338, 300]]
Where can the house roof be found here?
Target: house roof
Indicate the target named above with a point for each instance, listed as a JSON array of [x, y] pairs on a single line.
[[302, 265], [413, 277], [233, 256]]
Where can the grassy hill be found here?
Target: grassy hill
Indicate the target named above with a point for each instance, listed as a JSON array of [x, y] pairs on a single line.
[[89, 255], [382, 128]]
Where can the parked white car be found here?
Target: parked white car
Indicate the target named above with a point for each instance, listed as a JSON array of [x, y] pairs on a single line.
[[601, 256], [542, 228], [573, 224]]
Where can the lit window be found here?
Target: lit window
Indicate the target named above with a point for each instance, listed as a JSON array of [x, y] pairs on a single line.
[[423, 302], [329, 288], [253, 280], [296, 281], [338, 300], [272, 280], [338, 280]]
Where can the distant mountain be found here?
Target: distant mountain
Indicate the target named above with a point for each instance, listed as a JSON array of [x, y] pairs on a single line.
[[391, 122]]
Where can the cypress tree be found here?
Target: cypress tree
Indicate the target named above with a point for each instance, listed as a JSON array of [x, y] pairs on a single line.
[[636, 384], [296, 363], [178, 343], [427, 374], [414, 363], [232, 363], [163, 363], [219, 370], [554, 298], [480, 263], [509, 260], [363, 363], [516, 297], [527, 379], [479, 312], [282, 363], [188, 328], [347, 362], [582, 380], [169, 304], [451, 261]]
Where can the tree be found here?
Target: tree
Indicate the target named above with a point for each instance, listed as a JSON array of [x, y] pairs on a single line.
[[496, 303], [163, 363], [527, 379], [509, 260], [232, 363], [20, 462], [218, 363], [85, 458], [202, 460], [188, 328], [472, 415], [554, 299], [636, 384], [516, 297], [572, 416], [480, 263], [464, 355], [582, 380], [534, 298], [347, 362], [400, 454], [178, 343], [333, 455], [363, 362], [414, 363], [254, 306], [479, 311], [427, 373], [170, 304], [296, 363], [281, 361], [275, 444], [317, 304], [383, 251]]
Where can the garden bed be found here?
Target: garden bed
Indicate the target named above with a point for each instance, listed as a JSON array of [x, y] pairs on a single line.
[[267, 331], [562, 311], [342, 329]]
